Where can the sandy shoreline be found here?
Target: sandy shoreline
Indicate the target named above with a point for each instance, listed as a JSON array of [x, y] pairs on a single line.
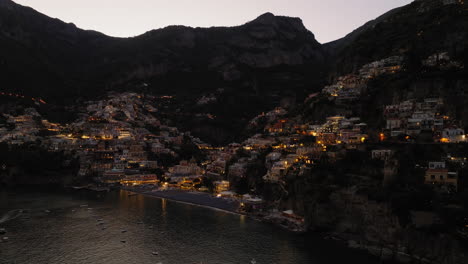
[[210, 202], [193, 198]]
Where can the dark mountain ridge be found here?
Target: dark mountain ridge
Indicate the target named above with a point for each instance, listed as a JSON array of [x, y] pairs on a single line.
[[86, 58]]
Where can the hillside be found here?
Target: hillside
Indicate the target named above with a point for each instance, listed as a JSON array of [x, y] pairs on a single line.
[[230, 74], [417, 30], [414, 52]]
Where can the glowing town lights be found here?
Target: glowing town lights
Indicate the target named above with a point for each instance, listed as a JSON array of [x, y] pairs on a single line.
[[445, 140], [382, 136]]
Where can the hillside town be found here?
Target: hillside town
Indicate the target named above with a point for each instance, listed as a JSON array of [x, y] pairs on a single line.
[[123, 141], [270, 141]]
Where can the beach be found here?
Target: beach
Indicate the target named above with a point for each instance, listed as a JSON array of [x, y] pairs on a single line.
[[193, 198]]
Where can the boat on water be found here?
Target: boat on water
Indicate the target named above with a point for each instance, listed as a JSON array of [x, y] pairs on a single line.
[[79, 187]]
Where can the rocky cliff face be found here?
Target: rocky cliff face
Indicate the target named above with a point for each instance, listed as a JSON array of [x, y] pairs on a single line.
[[374, 227]]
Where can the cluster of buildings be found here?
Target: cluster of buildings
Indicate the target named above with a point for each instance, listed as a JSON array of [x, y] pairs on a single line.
[[22, 128], [386, 66], [118, 146], [278, 163], [442, 61], [438, 173], [340, 130], [111, 139], [336, 130], [291, 152], [349, 88], [120, 140], [269, 117], [414, 117]]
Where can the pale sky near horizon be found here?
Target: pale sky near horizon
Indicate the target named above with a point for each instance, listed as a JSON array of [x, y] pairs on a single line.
[[327, 19]]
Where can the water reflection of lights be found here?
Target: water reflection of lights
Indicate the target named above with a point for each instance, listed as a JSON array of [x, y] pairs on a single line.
[[242, 219], [163, 205]]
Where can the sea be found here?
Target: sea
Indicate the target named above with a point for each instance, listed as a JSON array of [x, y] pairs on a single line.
[[120, 227]]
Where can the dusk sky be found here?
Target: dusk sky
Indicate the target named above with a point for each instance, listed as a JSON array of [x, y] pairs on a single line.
[[328, 20]]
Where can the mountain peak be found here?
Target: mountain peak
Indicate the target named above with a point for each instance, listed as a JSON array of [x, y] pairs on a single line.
[[270, 18], [285, 22], [267, 17]]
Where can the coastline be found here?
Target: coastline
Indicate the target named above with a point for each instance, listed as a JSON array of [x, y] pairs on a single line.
[[208, 201], [126, 218], [199, 199], [227, 206]]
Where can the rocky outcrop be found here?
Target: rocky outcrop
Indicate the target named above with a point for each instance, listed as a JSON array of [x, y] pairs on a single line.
[[373, 226]]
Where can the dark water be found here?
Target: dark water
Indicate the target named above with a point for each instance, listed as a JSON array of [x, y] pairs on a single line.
[[71, 233]]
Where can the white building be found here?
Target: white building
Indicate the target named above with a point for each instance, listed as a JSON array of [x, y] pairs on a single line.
[[381, 154], [393, 123], [437, 165], [453, 135]]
